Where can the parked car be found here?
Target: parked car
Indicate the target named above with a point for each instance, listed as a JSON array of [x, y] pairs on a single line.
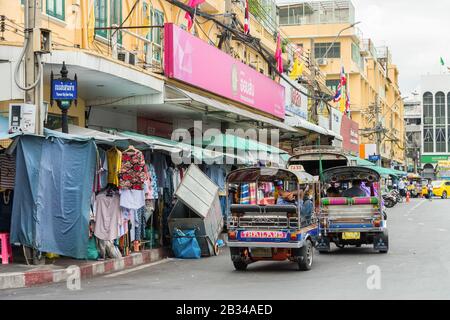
[[441, 188]]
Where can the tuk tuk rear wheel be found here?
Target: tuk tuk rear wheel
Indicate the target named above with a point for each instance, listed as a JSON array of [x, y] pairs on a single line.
[[444, 195], [240, 265], [305, 260]]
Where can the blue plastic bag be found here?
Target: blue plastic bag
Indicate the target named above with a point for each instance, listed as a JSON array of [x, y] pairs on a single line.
[[185, 245]]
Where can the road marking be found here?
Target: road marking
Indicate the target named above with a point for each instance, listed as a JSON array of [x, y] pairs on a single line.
[[416, 206], [137, 268]]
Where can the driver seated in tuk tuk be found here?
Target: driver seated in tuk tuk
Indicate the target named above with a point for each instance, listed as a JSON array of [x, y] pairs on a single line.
[[304, 202], [355, 191], [333, 191]]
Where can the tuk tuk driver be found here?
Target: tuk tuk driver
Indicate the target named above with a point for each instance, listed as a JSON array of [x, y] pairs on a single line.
[[304, 202], [355, 191]]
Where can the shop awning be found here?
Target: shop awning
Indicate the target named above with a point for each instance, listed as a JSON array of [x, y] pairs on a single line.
[[382, 171], [298, 122], [227, 108], [98, 136], [252, 148], [362, 162], [178, 147]]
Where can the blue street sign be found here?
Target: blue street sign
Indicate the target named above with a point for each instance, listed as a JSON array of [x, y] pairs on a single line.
[[374, 158], [64, 90]]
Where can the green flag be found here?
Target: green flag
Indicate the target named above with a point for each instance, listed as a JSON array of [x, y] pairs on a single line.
[[442, 62]]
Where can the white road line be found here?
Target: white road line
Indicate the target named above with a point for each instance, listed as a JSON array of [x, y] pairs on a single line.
[[116, 274], [416, 206]]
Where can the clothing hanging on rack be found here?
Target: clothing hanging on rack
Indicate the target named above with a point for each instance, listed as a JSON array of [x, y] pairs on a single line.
[[132, 172], [7, 171], [108, 216], [114, 159]]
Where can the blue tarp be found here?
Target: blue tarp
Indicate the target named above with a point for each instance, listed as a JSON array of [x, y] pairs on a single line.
[[54, 178]]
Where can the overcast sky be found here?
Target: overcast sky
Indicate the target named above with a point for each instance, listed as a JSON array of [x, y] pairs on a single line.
[[417, 31]]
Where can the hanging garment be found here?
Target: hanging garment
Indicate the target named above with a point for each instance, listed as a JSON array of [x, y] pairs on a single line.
[[253, 193], [132, 199], [103, 172], [7, 171], [132, 173], [217, 173], [153, 182], [160, 164], [114, 158], [108, 216], [150, 208], [6, 201], [140, 223], [245, 194]]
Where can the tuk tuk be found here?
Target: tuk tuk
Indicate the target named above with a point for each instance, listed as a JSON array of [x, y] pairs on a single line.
[[272, 216], [312, 158], [352, 214], [416, 184]]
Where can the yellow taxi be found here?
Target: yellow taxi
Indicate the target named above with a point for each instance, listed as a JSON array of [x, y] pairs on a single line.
[[441, 188]]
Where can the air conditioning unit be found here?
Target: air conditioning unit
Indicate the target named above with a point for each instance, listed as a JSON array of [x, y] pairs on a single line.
[[322, 62], [127, 57]]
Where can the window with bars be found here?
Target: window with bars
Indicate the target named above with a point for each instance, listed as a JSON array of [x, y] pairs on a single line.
[[56, 8], [428, 108], [108, 13], [321, 48], [154, 50], [333, 84], [428, 139]]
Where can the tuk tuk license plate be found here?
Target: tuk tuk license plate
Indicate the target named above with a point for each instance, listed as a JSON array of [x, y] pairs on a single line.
[[263, 235], [351, 235], [261, 252]]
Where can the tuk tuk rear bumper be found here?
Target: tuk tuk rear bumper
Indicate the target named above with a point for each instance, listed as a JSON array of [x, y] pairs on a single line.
[[283, 245]]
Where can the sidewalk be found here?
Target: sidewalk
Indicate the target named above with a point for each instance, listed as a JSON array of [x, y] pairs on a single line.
[[21, 275]]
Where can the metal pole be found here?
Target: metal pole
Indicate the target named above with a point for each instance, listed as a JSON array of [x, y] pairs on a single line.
[[32, 18], [227, 21]]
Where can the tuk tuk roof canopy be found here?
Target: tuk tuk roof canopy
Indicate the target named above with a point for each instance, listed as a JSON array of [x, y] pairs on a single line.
[[351, 173], [267, 174]]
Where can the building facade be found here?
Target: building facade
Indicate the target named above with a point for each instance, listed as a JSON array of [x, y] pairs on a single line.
[[123, 81], [413, 125], [435, 120], [325, 29]]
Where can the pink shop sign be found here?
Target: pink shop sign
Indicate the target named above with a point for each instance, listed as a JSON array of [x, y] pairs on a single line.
[[193, 61]]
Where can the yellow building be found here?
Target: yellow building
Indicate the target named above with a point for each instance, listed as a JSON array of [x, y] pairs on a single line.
[[122, 83], [328, 27]]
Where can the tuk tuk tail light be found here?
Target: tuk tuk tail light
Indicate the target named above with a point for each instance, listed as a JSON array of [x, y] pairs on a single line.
[[232, 235]]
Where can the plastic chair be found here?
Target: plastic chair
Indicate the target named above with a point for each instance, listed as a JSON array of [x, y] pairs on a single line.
[[6, 250]]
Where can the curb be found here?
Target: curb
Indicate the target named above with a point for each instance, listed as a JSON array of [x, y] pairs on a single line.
[[14, 280]]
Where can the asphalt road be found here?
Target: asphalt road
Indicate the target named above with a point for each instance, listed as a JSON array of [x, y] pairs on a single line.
[[417, 267]]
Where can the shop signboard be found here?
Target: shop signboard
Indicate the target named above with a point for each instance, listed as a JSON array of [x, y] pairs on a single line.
[[296, 102], [324, 122], [443, 169], [197, 63], [336, 121], [434, 159], [350, 135]]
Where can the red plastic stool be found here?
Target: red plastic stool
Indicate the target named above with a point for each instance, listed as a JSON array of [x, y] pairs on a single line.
[[6, 250]]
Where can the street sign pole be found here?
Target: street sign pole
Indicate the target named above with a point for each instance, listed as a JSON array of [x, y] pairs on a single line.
[[64, 91]]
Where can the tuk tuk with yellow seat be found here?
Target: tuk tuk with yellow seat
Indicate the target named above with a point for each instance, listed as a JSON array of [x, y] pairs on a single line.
[[272, 216]]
